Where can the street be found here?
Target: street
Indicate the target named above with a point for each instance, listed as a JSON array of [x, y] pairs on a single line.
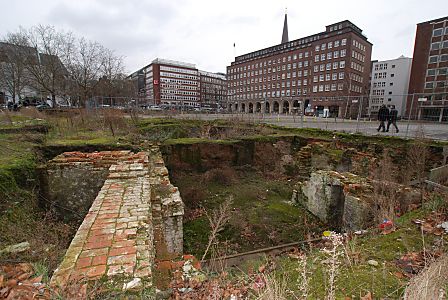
[[436, 131]]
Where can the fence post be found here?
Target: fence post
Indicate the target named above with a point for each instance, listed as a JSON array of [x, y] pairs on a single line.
[[410, 114]]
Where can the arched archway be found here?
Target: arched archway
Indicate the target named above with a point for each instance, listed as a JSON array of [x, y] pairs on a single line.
[[285, 108], [296, 107], [258, 107], [251, 107], [276, 107], [236, 107], [243, 107], [267, 108]]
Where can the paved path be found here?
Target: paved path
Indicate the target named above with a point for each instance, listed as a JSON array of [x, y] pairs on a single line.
[[437, 131], [115, 237]]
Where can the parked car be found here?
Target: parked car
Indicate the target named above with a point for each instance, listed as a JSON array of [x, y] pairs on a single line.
[[43, 106], [155, 108]]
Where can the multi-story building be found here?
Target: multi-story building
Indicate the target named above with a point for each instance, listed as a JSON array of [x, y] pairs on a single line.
[[428, 83], [327, 72], [389, 84], [177, 83], [213, 89], [168, 82]]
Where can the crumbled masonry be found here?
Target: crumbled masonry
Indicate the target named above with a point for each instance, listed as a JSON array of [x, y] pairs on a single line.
[[129, 220]]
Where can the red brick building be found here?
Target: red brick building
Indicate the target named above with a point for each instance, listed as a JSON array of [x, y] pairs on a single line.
[[429, 72], [327, 72]]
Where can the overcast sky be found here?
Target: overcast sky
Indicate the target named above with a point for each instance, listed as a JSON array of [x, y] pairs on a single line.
[[203, 31]]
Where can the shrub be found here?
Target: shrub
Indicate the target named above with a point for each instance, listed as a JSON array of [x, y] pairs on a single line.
[[223, 176]]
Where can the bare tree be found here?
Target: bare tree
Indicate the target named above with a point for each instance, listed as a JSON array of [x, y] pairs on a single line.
[[13, 74], [83, 62], [48, 72]]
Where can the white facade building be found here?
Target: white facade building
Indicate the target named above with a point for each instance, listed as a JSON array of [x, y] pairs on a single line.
[[389, 85]]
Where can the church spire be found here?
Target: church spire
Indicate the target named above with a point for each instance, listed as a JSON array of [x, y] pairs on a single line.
[[285, 38]]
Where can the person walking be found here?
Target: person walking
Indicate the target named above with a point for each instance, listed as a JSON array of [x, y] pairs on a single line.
[[392, 119], [383, 115]]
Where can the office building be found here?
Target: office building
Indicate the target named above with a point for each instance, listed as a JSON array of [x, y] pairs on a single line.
[[390, 84], [178, 84], [327, 73], [428, 81]]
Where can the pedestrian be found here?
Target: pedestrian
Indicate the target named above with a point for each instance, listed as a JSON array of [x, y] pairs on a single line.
[[393, 116], [383, 115]]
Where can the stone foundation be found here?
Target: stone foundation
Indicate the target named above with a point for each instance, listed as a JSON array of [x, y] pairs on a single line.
[[346, 201], [136, 212]]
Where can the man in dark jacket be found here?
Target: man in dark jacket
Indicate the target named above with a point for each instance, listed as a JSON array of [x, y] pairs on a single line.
[[393, 116], [383, 115]]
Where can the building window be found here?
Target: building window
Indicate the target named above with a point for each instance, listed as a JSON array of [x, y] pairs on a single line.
[[316, 58], [321, 88], [391, 84], [334, 76], [343, 52], [341, 75], [392, 75], [433, 59], [317, 48], [342, 64], [393, 66], [322, 67], [336, 54], [315, 89], [437, 32], [429, 85], [322, 57], [444, 57], [344, 42], [435, 46], [336, 43]]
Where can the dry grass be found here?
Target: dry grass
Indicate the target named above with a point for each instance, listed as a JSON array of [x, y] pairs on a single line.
[[384, 189], [217, 220], [431, 283], [223, 176]]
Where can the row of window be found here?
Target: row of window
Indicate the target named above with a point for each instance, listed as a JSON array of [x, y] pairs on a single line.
[[328, 87], [358, 56], [178, 81], [378, 92], [440, 31], [359, 45], [179, 86], [176, 75], [328, 77], [435, 84], [178, 70], [438, 58], [439, 45], [381, 84], [355, 88], [330, 55], [329, 45], [269, 62], [177, 97], [383, 66], [382, 75], [357, 67], [178, 92], [317, 68], [440, 71]]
